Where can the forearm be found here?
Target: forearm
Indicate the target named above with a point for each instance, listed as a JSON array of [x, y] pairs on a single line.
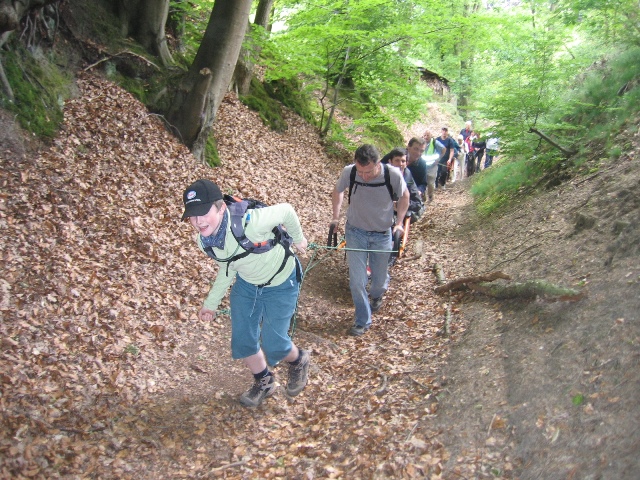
[[218, 289], [401, 208], [336, 204]]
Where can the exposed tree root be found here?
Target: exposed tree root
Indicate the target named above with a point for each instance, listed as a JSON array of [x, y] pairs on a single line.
[[528, 290], [463, 282]]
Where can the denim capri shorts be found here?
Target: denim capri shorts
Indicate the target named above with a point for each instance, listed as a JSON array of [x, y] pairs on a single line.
[[260, 318]]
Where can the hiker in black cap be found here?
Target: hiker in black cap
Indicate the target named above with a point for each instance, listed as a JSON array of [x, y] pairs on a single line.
[[252, 249]]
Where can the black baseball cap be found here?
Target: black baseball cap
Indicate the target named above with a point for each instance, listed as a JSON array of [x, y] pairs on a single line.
[[198, 198]]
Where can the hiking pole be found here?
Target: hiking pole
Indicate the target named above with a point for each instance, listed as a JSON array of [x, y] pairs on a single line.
[[405, 236]]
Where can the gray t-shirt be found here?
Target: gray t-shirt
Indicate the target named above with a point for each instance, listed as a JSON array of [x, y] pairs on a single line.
[[371, 208]]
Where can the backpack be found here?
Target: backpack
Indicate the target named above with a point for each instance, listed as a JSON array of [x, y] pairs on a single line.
[[387, 182], [237, 208]]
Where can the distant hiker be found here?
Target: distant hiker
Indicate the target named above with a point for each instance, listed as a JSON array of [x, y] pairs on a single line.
[[467, 130], [453, 166], [446, 158], [460, 156], [492, 151], [416, 164], [398, 159], [471, 159], [479, 145], [373, 188], [430, 157], [264, 295]]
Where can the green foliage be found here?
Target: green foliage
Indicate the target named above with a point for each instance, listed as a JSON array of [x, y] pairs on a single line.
[[290, 93], [135, 86], [193, 16], [132, 349], [612, 21], [40, 89], [269, 109], [339, 144], [607, 98], [380, 130], [211, 156], [363, 47], [602, 102]]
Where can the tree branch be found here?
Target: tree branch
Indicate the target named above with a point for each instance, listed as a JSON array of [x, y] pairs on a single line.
[[567, 153]]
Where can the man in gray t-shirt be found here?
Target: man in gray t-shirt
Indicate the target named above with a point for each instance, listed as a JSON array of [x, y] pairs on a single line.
[[373, 187]]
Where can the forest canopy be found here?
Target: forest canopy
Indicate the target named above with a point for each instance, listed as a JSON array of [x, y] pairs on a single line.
[[509, 65]]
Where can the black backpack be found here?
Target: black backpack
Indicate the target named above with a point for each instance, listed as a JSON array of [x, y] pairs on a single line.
[[237, 208], [387, 182]]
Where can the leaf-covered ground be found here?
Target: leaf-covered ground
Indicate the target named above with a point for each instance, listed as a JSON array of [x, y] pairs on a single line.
[[106, 372]]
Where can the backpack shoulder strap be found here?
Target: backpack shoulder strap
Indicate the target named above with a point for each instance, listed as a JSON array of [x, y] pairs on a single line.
[[352, 181], [236, 212], [387, 181]]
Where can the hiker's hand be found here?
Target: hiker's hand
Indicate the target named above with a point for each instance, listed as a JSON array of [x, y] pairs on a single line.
[[333, 226], [398, 227], [207, 315], [301, 246]]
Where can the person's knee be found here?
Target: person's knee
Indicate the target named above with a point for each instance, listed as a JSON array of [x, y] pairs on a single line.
[[277, 354], [243, 349]]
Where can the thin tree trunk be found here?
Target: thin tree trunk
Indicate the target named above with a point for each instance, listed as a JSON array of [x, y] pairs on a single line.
[[263, 14], [176, 24], [251, 51], [6, 86], [336, 92], [201, 91]]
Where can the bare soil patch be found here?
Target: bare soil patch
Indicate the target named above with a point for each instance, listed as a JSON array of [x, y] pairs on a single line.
[[550, 389]]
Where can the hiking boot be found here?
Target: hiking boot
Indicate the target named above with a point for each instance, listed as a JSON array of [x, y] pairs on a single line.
[[358, 331], [376, 303], [261, 389], [298, 374]]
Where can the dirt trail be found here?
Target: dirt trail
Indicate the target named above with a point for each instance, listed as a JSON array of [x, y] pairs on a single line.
[[106, 371]]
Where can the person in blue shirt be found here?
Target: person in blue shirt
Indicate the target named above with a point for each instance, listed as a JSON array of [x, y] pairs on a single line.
[[446, 158]]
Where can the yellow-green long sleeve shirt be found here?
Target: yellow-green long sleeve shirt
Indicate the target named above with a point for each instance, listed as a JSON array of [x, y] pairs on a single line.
[[255, 268]]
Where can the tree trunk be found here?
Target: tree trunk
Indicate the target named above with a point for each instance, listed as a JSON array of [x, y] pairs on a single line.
[[567, 153], [263, 14], [463, 48], [145, 20], [251, 51], [201, 91]]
